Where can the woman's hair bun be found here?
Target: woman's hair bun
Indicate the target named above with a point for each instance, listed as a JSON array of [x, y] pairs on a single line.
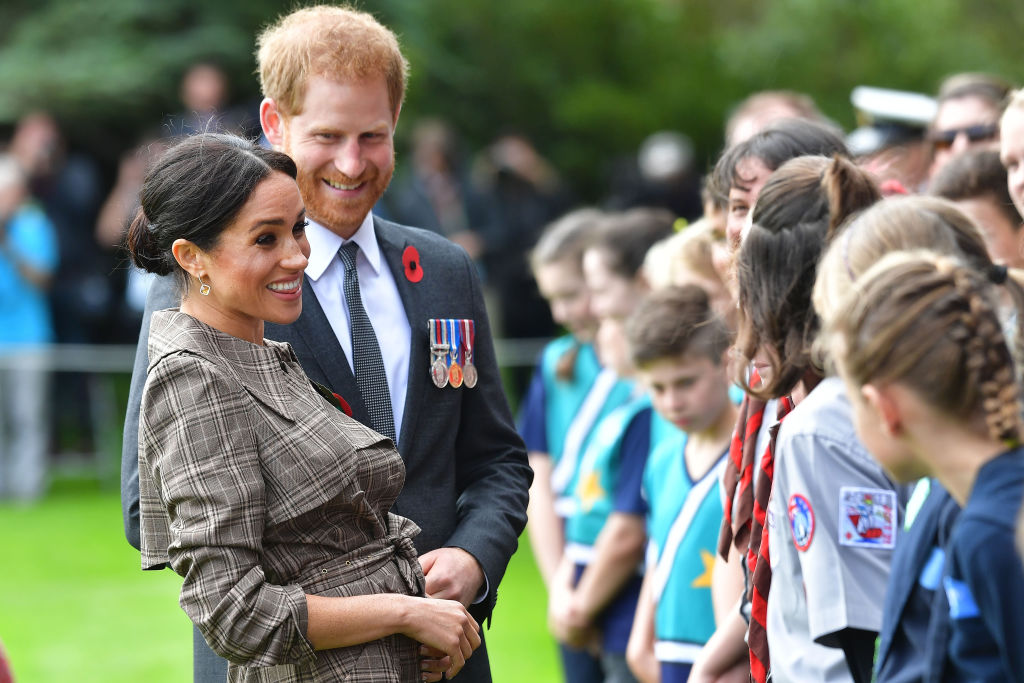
[[143, 245]]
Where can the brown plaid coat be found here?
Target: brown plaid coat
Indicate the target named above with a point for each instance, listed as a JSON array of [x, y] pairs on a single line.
[[257, 491]]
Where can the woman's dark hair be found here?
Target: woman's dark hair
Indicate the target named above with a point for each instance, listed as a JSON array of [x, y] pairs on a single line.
[[625, 237], [775, 145], [796, 214], [193, 192]]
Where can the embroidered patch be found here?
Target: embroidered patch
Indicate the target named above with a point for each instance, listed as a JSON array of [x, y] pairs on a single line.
[[867, 517], [801, 519]]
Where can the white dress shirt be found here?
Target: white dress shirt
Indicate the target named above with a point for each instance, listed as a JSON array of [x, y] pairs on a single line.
[[380, 297]]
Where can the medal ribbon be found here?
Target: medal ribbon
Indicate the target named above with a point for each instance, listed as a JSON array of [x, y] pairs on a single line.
[[455, 334], [468, 337]]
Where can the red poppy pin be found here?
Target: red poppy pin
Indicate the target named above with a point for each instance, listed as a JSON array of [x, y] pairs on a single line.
[[343, 404], [413, 267]]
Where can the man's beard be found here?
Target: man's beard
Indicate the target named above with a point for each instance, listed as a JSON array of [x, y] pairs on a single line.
[[337, 214]]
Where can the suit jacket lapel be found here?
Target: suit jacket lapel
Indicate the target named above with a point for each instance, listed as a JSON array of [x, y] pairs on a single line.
[[414, 299], [319, 338]]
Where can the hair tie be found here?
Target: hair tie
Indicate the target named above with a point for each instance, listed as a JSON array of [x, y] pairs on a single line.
[[997, 274]]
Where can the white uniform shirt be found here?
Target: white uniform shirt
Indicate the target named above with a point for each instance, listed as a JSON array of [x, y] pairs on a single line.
[[826, 577], [380, 297]]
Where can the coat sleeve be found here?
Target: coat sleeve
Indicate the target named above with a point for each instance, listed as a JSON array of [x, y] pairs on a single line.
[[198, 442], [162, 294], [493, 474]]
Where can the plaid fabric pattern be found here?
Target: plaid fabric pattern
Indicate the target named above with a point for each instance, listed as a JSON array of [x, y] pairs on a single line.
[[366, 358], [257, 491]]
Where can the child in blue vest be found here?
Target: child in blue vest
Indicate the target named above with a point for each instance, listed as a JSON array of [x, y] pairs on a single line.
[[920, 346], [679, 348], [569, 394], [593, 593], [570, 391]]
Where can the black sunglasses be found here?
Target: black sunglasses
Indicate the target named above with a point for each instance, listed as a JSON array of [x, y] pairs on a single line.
[[943, 139]]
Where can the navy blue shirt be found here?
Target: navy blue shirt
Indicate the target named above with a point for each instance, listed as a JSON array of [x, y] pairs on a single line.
[[916, 614], [636, 446], [532, 416], [985, 578]]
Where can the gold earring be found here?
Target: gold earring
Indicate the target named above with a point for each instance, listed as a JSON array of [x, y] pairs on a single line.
[[204, 288]]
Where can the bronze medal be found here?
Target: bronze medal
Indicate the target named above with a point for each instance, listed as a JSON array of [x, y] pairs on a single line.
[[455, 375], [454, 328]]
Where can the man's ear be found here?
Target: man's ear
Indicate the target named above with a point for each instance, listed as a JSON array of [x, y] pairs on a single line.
[[398, 111], [272, 122], [189, 257], [886, 407]]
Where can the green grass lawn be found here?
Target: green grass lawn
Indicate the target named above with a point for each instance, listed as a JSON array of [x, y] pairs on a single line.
[[74, 605]]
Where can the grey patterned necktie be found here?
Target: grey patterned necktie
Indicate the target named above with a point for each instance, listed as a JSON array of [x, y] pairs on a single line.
[[366, 358]]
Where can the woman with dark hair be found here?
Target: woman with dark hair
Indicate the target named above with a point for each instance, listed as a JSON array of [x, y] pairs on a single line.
[[255, 486], [743, 169], [816, 470]]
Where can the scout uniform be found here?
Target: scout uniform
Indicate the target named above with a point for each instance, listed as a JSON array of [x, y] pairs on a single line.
[[832, 525], [683, 522], [559, 415], [609, 481], [984, 579]]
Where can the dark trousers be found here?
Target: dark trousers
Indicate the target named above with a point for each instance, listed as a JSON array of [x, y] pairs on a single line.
[[207, 667]]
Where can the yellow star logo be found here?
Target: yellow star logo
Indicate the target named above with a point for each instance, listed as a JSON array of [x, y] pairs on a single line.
[[704, 580], [591, 490]]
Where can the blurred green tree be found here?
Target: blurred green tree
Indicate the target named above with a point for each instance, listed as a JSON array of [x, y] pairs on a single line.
[[587, 81]]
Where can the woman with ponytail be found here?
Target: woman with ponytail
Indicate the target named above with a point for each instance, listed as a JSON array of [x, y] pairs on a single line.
[[814, 573], [920, 345]]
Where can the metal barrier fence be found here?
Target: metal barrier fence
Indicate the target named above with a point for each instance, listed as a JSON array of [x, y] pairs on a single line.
[[103, 366]]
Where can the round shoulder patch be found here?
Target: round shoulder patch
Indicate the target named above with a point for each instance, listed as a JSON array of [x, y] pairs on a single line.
[[801, 520]]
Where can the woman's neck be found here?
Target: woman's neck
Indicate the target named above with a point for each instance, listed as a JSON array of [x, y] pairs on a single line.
[[248, 329], [955, 455]]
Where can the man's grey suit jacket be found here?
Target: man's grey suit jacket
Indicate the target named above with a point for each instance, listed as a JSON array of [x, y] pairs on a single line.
[[467, 474]]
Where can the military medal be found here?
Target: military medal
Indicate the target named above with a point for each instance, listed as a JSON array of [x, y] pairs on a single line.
[[469, 374], [438, 333], [454, 352]]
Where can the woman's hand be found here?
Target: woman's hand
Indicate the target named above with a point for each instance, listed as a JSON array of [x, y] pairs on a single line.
[[433, 663], [447, 628]]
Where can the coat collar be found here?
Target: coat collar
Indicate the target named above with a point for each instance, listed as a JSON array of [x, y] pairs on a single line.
[[261, 370]]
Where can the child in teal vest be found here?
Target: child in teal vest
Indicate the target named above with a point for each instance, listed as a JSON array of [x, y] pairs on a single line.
[[679, 348], [594, 591]]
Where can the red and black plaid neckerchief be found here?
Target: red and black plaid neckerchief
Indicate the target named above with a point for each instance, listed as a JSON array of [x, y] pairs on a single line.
[[737, 478], [759, 557]]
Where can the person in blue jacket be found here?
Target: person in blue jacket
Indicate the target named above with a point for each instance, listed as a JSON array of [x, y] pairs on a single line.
[[920, 345]]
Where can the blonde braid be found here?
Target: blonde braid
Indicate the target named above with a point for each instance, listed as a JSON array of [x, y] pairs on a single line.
[[988, 361]]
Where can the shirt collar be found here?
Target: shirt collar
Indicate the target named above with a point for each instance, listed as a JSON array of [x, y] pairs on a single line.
[[324, 246]]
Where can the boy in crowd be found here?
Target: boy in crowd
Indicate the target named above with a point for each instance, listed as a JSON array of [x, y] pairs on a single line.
[[679, 347]]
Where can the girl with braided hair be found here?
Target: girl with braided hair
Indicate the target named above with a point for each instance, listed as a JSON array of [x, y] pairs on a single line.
[[915, 604], [919, 343]]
